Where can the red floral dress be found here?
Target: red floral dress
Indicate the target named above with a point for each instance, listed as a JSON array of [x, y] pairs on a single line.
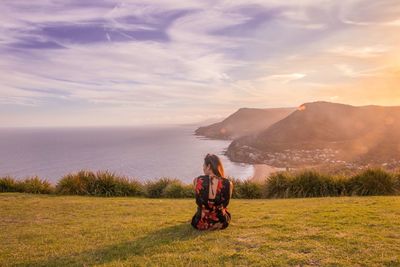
[[211, 213]]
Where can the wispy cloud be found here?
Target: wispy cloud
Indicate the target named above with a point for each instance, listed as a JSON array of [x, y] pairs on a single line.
[[178, 59], [285, 78], [366, 13], [361, 52]]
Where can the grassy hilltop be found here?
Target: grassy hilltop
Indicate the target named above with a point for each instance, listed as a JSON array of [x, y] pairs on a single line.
[[52, 230]]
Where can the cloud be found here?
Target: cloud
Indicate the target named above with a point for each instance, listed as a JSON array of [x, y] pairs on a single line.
[[349, 71], [285, 78], [187, 57], [370, 13], [361, 52]]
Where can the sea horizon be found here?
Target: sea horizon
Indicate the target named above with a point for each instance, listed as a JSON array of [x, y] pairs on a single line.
[[140, 152]]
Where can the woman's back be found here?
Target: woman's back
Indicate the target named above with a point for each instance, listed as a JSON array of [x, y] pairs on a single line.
[[213, 194]]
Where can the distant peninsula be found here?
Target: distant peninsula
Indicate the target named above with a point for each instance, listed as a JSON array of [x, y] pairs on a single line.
[[318, 134], [244, 121]]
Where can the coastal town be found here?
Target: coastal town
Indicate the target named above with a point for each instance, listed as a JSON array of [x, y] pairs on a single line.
[[325, 158]]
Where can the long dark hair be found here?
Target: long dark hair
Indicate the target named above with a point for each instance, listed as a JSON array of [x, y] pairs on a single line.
[[215, 164]]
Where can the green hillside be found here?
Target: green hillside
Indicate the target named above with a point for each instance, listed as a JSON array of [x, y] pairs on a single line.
[[49, 230]]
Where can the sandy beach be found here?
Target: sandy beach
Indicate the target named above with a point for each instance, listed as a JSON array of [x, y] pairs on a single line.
[[262, 171]]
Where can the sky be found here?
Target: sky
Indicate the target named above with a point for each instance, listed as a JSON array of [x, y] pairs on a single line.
[[115, 63]]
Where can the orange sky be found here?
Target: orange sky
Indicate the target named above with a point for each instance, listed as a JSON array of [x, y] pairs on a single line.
[[135, 62]]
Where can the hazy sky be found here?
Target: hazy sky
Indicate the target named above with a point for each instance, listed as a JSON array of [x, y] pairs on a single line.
[[82, 62]]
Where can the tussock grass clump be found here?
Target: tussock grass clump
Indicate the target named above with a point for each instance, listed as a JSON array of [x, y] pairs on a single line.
[[372, 182], [236, 183], [397, 182], [168, 188], [110, 184], [246, 189], [189, 191], [80, 183], [155, 188], [339, 186], [101, 183], [35, 185], [306, 183], [310, 183], [176, 189], [8, 184], [277, 185], [129, 187]]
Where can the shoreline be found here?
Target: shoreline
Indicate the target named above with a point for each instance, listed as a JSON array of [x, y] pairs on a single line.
[[262, 171]]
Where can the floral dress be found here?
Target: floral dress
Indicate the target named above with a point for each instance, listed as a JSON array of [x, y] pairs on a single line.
[[211, 213]]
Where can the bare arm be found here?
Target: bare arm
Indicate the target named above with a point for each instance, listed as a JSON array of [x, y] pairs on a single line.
[[230, 189]]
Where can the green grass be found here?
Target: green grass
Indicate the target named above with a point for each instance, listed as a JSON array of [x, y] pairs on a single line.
[[51, 230]]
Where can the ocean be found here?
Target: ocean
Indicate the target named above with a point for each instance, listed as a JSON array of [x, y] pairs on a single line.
[[137, 152]]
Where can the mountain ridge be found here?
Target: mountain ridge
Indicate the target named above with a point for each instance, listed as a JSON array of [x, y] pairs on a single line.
[[243, 122], [325, 133]]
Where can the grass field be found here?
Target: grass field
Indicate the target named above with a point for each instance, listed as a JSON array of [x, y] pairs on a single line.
[[48, 230]]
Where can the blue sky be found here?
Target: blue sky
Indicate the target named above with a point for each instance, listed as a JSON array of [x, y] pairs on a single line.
[[77, 63]]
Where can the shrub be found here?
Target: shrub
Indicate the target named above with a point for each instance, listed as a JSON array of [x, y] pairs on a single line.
[[109, 184], [277, 184], [246, 189], [105, 184], [397, 183], [310, 183], [155, 188], [81, 183], [306, 183], [176, 189], [339, 186], [372, 182], [189, 191], [35, 185], [236, 184], [129, 187], [8, 184], [102, 183]]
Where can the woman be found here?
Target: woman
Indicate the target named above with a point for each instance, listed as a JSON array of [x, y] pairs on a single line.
[[213, 193]]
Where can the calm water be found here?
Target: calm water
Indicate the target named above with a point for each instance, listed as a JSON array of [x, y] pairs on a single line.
[[144, 153]]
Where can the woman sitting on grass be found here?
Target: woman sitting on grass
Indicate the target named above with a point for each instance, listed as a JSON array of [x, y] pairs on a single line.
[[213, 193]]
